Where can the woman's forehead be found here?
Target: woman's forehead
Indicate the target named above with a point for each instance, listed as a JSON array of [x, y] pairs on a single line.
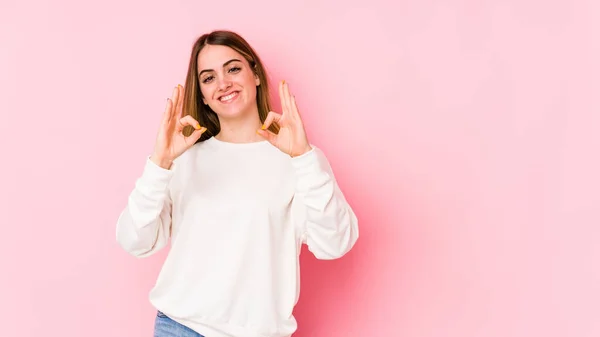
[[214, 56]]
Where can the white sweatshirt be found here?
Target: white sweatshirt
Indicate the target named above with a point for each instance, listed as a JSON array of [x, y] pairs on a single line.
[[236, 216]]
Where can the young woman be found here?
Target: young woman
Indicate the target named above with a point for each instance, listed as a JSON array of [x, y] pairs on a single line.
[[237, 189]]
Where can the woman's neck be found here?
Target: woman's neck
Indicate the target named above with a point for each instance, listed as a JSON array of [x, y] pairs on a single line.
[[241, 129]]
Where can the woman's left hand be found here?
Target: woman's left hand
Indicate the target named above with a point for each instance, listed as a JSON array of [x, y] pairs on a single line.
[[291, 138]]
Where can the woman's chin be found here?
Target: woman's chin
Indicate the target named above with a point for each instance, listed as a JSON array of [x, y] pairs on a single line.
[[233, 111]]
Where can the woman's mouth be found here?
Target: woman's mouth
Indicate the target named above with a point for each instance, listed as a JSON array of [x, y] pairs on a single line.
[[229, 97]]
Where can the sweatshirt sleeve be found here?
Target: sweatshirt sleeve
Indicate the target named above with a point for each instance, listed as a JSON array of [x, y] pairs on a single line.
[[328, 225], [143, 227]]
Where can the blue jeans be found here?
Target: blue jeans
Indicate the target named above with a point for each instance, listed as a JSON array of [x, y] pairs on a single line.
[[166, 327]]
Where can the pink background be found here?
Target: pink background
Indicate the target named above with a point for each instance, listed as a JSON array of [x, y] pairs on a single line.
[[465, 134]]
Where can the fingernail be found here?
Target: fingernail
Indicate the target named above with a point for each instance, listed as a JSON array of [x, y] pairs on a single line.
[[197, 126], [203, 129], [283, 82], [263, 127]]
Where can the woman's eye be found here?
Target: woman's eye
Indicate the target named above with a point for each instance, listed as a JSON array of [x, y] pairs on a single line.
[[231, 70]]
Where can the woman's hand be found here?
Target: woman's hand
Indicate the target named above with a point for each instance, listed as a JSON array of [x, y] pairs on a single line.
[[291, 138], [170, 141]]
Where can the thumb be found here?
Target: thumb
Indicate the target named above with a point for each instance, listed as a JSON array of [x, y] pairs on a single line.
[[268, 135], [196, 134]]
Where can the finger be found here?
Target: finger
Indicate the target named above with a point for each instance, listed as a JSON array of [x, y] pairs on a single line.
[[282, 99], [173, 101], [167, 113], [271, 117], [180, 96], [294, 108], [188, 120], [196, 135], [286, 95], [176, 102]]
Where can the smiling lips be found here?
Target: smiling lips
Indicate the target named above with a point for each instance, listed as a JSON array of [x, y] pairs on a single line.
[[229, 98]]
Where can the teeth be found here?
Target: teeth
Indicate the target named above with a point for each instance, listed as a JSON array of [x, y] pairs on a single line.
[[228, 97]]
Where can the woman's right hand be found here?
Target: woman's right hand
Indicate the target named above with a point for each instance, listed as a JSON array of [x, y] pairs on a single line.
[[170, 141]]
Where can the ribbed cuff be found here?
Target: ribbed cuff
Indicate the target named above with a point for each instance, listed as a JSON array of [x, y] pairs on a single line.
[[156, 177], [310, 169]]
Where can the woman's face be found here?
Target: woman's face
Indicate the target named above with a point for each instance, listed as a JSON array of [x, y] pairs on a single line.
[[227, 82]]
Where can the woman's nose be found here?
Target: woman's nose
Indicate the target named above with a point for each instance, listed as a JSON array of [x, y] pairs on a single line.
[[224, 83]]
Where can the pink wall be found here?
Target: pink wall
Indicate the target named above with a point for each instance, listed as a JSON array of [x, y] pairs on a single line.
[[465, 133]]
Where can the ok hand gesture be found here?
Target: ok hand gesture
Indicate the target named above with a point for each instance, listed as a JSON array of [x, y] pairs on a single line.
[[291, 138], [170, 141]]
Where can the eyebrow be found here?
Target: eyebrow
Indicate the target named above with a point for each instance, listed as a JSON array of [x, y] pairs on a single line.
[[224, 65]]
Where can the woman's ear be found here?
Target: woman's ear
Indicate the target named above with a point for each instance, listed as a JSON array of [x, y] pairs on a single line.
[[256, 78]]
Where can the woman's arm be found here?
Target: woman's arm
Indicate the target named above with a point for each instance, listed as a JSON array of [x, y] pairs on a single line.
[[143, 227], [328, 224]]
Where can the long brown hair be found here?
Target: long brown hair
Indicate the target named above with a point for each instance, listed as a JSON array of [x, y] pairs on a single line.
[[192, 103]]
